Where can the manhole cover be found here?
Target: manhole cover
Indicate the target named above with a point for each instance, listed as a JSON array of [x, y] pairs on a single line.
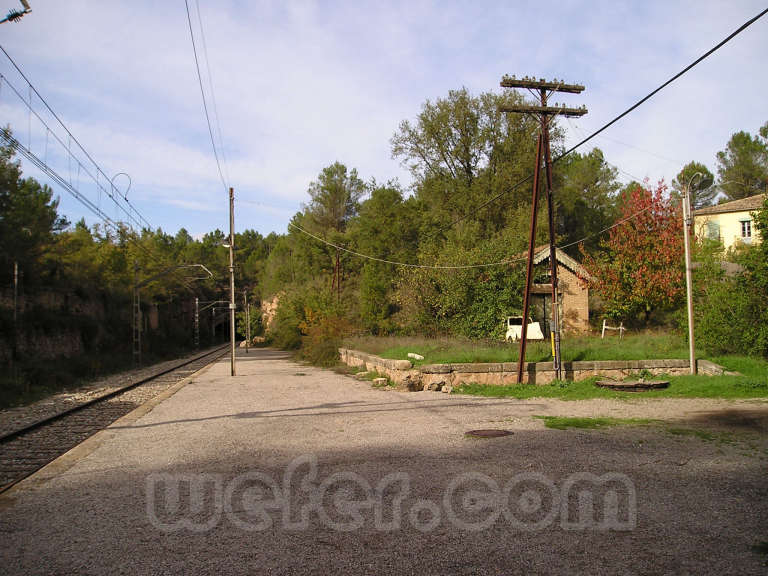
[[488, 433], [633, 385]]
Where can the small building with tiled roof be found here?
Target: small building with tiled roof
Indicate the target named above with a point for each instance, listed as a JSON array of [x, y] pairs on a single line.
[[731, 223], [573, 294]]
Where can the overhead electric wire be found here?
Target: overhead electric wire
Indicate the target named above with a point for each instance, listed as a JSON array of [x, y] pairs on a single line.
[[607, 125], [402, 264], [659, 156], [46, 169], [70, 155], [61, 181], [202, 92], [213, 93], [64, 126], [616, 167], [57, 178], [465, 266]]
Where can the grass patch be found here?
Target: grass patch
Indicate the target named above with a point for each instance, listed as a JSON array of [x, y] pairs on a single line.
[[706, 435], [751, 383], [341, 368], [700, 434], [584, 423], [566, 422], [573, 348], [754, 367], [728, 387]]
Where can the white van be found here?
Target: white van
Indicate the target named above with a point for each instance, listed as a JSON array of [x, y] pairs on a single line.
[[515, 329]]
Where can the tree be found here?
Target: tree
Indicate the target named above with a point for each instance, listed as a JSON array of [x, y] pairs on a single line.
[[385, 228], [585, 197], [731, 316], [702, 192], [640, 268], [462, 150], [29, 217], [335, 197], [743, 166]]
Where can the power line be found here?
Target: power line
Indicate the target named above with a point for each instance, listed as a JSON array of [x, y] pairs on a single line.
[[708, 53], [43, 166], [578, 128], [202, 92], [395, 263], [47, 170], [213, 93], [711, 51], [35, 160], [64, 126], [659, 156], [56, 177], [80, 165], [464, 266]]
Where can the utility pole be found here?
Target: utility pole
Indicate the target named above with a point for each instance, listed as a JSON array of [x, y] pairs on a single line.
[[137, 328], [15, 15], [197, 322], [687, 223], [14, 351], [247, 320], [529, 263], [136, 316], [542, 89], [15, 290], [232, 275]]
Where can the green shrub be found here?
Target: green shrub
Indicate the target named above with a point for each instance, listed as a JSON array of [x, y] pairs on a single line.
[[730, 312], [285, 331], [310, 319], [320, 345]]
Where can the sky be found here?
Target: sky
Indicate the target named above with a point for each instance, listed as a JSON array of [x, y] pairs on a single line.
[[300, 85]]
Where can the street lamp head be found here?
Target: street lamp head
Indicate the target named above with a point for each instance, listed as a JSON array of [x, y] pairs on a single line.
[[706, 181]]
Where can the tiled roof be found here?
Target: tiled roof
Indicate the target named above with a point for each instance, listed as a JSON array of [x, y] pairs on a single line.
[[742, 205], [541, 253]]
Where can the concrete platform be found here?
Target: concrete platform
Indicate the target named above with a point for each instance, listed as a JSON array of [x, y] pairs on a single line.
[[289, 469]]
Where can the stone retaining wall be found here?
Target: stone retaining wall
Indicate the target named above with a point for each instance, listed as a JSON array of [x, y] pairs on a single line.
[[437, 376]]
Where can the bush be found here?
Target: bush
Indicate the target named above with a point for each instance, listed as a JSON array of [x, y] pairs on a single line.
[[731, 316], [310, 319], [323, 338], [285, 331]]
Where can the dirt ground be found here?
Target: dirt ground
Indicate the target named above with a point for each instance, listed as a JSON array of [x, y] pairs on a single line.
[[288, 469]]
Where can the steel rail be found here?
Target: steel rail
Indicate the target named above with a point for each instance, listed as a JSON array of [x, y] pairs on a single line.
[[54, 417]]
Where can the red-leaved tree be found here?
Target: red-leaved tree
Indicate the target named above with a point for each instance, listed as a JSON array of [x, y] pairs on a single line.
[[640, 268]]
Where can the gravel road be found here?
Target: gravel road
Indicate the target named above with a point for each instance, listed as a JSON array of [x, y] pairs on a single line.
[[289, 469]]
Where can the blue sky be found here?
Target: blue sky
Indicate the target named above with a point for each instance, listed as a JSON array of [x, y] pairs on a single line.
[[299, 85]]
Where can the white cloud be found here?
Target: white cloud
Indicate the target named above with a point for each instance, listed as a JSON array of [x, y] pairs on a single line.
[[300, 85]]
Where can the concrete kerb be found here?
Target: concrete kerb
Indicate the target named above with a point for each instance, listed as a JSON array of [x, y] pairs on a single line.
[[438, 376]]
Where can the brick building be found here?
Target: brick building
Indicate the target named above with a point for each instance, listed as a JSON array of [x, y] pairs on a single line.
[[573, 294]]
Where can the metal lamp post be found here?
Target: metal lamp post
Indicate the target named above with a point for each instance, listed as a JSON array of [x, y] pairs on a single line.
[[687, 222], [231, 247]]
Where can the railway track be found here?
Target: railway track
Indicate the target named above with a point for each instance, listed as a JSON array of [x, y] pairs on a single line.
[[27, 449]]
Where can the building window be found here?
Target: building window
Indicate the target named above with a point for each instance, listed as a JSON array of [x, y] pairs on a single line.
[[746, 229], [713, 230]]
